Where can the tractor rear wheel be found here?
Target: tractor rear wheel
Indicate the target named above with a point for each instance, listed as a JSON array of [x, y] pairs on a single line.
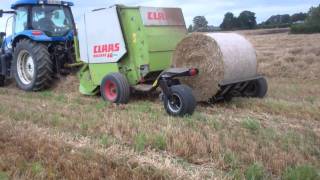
[[182, 101], [257, 88], [2, 77], [2, 80], [115, 88], [32, 66]]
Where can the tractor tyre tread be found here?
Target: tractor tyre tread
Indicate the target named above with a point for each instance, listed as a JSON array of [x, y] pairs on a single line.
[[2, 80], [43, 65]]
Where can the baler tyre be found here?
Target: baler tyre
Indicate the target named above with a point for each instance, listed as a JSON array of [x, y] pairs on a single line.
[[182, 102], [115, 88], [257, 88], [32, 66]]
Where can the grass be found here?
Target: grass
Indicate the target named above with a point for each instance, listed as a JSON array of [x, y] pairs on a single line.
[[246, 134], [251, 124], [291, 139], [273, 50], [305, 172], [231, 160], [49, 157], [101, 105], [105, 140], [37, 168], [215, 124], [159, 142], [255, 172], [46, 94], [3, 176], [140, 142], [60, 134]]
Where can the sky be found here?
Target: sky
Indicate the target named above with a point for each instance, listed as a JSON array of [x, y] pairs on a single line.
[[213, 10]]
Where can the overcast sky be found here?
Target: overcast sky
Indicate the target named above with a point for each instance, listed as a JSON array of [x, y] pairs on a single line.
[[213, 10]]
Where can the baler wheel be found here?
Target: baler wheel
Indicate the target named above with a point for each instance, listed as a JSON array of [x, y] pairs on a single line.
[[115, 88], [257, 88], [182, 101]]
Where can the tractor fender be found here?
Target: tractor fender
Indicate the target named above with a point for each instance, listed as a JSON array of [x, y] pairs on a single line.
[[42, 37], [18, 38]]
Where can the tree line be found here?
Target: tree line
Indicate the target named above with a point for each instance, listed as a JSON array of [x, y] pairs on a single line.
[[248, 20], [311, 24]]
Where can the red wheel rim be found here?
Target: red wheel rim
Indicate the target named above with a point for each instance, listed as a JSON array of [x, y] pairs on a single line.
[[111, 91]]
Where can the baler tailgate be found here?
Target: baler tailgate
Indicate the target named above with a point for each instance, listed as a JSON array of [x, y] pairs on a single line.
[[101, 32]]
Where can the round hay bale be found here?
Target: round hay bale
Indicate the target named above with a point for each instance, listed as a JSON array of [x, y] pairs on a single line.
[[221, 58]]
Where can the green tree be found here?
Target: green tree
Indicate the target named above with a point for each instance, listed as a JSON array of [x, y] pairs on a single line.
[[272, 20], [314, 16], [311, 25], [190, 28], [200, 24], [229, 22], [285, 19], [247, 20], [299, 17], [279, 19]]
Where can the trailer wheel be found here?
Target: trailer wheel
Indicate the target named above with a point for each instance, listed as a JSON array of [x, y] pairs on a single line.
[[115, 88], [182, 101], [32, 66], [257, 88]]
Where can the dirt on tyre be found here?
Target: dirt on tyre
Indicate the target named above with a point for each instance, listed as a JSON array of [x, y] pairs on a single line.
[[32, 66], [181, 103], [257, 88], [115, 88]]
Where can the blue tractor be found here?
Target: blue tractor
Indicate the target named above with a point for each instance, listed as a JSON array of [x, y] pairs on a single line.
[[41, 45]]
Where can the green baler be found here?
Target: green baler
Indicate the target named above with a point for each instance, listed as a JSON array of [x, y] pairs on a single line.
[[130, 48]]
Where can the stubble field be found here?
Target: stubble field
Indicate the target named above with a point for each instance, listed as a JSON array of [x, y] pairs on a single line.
[[60, 134]]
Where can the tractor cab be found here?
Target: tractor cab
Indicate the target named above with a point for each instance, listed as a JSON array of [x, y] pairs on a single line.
[[44, 20], [42, 36]]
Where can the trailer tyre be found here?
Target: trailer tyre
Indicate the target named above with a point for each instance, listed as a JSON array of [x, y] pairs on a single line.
[[32, 66], [257, 88], [115, 88], [182, 102]]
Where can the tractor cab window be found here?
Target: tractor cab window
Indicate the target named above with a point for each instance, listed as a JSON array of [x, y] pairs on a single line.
[[53, 20], [9, 25], [21, 20]]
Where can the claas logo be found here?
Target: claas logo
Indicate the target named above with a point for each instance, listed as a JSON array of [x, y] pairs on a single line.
[[105, 50], [160, 16]]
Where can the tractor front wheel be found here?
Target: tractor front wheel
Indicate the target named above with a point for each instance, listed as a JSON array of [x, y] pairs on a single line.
[[32, 66], [115, 88], [181, 102]]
